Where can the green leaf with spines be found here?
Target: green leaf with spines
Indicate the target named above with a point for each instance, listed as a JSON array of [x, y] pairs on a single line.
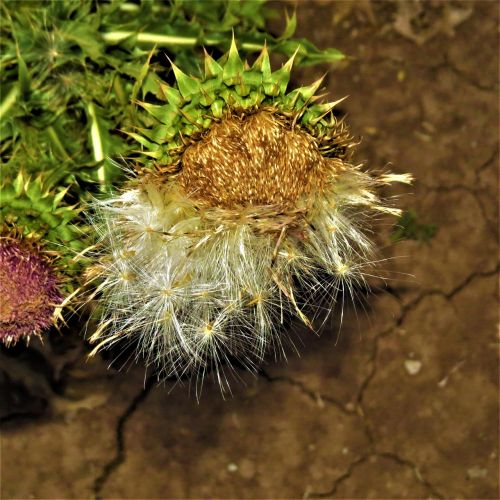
[[171, 94], [38, 207], [262, 65], [71, 67], [188, 86], [165, 114]]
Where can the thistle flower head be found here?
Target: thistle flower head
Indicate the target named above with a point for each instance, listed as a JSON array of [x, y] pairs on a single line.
[[29, 291], [245, 207]]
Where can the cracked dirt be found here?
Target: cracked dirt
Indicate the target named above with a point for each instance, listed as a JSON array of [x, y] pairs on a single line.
[[403, 403]]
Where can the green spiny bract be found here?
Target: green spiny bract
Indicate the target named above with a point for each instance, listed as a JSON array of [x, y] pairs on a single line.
[[193, 104], [246, 209]]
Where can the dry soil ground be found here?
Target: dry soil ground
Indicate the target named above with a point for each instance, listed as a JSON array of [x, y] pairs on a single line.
[[405, 404]]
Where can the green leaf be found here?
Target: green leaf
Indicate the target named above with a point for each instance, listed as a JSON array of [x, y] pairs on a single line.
[[217, 108], [171, 94], [143, 72], [19, 182], [34, 190], [263, 65], [7, 194], [23, 75], [85, 36], [291, 26]]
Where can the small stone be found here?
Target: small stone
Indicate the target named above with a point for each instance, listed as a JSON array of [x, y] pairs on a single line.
[[423, 137], [232, 467], [413, 366], [442, 383], [350, 406], [476, 472]]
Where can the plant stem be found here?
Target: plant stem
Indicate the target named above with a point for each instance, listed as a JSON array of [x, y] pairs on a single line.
[[9, 100], [57, 143], [95, 136], [114, 37]]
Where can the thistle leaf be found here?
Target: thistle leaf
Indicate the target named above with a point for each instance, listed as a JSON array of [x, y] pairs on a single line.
[[187, 85], [23, 75], [291, 26]]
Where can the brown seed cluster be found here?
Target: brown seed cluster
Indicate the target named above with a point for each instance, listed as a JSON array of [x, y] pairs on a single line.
[[252, 160]]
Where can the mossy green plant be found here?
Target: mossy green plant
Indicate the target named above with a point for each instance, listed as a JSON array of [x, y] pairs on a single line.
[[409, 227]]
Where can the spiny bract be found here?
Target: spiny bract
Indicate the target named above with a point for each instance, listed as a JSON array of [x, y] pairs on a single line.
[[245, 209]]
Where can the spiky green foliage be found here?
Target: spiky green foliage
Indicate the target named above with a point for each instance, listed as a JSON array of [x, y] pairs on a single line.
[[68, 71], [37, 207], [230, 83]]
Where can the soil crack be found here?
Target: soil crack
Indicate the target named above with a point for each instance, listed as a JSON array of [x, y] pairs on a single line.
[[363, 459], [447, 295], [343, 477], [315, 396], [366, 382], [120, 454], [415, 469]]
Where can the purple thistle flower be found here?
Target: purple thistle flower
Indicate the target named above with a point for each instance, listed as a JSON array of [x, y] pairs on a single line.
[[29, 291]]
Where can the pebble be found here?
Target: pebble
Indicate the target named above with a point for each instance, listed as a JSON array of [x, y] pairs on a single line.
[[477, 472], [413, 366], [232, 467]]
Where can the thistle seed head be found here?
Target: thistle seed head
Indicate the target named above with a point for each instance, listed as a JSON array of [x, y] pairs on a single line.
[[246, 210], [28, 289], [256, 159]]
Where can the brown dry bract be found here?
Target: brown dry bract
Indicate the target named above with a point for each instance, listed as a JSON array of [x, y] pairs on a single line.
[[253, 160]]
